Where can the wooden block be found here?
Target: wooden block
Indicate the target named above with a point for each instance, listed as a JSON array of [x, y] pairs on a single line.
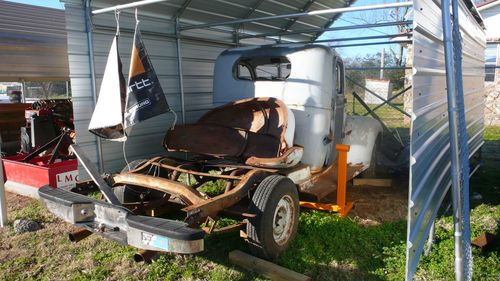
[[265, 268], [372, 182]]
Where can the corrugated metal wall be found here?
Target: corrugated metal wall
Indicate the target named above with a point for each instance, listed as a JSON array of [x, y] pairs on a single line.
[[430, 176], [198, 59], [32, 43]]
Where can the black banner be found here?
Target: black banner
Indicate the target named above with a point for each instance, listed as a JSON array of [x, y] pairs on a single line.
[[145, 97]]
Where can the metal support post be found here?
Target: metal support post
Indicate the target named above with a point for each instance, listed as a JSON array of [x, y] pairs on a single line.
[[464, 146], [3, 204], [430, 239], [382, 63], [453, 131], [23, 91], [90, 45], [179, 66]]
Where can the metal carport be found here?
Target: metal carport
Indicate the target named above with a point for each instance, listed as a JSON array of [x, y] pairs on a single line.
[[184, 37]]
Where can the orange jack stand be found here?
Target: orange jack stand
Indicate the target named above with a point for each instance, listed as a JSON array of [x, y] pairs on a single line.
[[342, 206]]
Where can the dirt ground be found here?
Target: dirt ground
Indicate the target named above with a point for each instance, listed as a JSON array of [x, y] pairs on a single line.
[[374, 205]]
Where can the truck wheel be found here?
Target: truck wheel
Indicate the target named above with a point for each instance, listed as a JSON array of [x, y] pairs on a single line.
[[276, 205], [130, 193]]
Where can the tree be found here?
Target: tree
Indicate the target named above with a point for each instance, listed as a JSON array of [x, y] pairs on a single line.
[[366, 67], [45, 90]]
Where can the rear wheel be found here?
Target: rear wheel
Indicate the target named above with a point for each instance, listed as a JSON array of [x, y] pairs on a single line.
[[131, 193], [276, 205]]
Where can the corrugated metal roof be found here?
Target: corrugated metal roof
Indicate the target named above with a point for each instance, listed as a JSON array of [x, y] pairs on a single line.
[[210, 11], [32, 43]]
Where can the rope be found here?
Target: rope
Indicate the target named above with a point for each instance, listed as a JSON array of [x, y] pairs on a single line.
[[117, 18]]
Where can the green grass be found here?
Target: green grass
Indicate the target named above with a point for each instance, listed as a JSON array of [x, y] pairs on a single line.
[[326, 248]]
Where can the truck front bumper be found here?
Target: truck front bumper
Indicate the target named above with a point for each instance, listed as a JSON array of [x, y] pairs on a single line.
[[119, 224]]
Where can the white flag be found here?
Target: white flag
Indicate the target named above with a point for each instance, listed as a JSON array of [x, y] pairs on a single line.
[[107, 119]]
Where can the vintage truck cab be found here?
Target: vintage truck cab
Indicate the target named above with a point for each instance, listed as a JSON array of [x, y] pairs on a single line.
[[309, 79]]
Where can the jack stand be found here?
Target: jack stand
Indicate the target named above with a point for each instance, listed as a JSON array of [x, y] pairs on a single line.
[[342, 206]]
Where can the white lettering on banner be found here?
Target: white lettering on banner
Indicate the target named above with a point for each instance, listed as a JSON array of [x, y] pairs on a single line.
[[139, 105], [139, 85], [67, 180]]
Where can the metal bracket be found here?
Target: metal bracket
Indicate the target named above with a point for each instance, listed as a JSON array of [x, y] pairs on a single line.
[[94, 174]]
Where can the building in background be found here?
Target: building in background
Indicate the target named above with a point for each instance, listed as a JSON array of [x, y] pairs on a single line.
[[490, 11]]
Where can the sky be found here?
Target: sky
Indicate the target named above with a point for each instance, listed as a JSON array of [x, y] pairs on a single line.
[[363, 17], [46, 3], [346, 19]]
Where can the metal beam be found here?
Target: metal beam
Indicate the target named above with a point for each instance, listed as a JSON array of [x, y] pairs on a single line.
[[373, 43], [362, 38], [304, 14], [389, 100], [379, 68], [376, 95], [330, 22], [294, 20], [354, 45], [94, 175], [182, 9], [313, 30], [250, 12], [127, 6]]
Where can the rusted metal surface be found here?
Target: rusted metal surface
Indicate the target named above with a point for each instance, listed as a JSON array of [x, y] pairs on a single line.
[[230, 184], [290, 158], [325, 182], [225, 229], [188, 194], [242, 129], [192, 172], [146, 256], [267, 116], [210, 207], [79, 235], [485, 241]]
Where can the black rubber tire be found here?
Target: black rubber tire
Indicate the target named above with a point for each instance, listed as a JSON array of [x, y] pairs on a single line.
[[264, 203], [130, 194]]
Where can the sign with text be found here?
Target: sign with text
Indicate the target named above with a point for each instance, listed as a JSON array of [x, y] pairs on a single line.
[[67, 180]]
